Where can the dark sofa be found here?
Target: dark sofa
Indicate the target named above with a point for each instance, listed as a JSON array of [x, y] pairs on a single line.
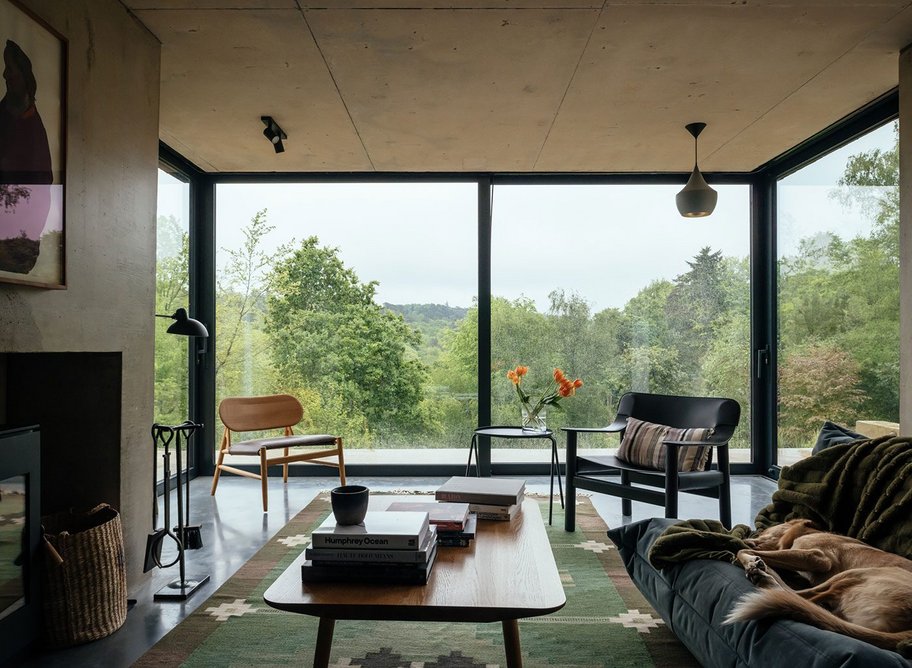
[[694, 597]]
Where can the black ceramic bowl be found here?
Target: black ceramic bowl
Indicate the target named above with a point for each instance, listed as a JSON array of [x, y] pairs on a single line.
[[349, 503]]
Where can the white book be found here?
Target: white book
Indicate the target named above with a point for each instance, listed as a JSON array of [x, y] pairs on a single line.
[[483, 511], [379, 531], [489, 491], [344, 556]]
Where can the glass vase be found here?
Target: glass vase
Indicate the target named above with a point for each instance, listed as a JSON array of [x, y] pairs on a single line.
[[534, 420]]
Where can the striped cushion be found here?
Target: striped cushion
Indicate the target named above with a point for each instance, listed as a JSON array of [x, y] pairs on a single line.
[[642, 445]]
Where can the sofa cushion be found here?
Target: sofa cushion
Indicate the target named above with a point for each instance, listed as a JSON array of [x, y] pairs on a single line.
[[642, 445], [695, 597]]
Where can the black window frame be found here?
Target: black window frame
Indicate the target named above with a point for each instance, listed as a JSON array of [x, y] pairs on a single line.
[[762, 183]]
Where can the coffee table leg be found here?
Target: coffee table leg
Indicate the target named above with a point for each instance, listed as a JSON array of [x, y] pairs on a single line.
[[325, 641], [511, 643]]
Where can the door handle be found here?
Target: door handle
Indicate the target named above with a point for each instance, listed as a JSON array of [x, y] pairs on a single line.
[[762, 357]]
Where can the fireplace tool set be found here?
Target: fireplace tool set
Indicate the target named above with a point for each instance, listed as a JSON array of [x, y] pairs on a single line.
[[184, 535]]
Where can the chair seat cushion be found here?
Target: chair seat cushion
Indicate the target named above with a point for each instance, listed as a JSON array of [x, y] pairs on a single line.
[[642, 445], [254, 445]]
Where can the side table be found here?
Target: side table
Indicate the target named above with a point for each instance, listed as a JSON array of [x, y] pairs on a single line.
[[518, 432]]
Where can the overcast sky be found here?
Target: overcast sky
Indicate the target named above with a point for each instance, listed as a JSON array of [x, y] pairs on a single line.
[[419, 240]]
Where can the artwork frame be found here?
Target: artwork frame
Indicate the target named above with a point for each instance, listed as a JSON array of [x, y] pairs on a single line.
[[33, 114]]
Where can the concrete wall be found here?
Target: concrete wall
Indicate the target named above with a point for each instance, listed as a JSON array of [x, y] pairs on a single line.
[[111, 162]]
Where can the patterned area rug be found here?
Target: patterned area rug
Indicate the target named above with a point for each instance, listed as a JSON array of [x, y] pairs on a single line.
[[606, 621]]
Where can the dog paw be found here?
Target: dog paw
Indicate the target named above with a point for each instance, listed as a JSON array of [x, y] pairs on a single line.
[[756, 571]]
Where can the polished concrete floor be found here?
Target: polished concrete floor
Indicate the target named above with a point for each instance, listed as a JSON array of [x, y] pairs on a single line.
[[234, 527]]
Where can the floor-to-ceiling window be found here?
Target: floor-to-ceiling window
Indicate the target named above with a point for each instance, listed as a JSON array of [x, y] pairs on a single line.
[[838, 291], [359, 300], [172, 283], [610, 284]]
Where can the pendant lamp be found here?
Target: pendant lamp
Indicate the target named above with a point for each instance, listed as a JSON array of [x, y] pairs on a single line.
[[696, 199]]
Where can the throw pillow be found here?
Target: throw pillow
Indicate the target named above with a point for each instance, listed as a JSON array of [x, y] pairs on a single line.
[[642, 445], [831, 434]]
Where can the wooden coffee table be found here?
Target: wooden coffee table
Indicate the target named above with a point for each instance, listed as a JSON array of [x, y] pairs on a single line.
[[506, 574]]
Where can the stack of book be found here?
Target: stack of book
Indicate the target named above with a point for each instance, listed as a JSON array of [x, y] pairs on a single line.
[[454, 523], [389, 548], [488, 498]]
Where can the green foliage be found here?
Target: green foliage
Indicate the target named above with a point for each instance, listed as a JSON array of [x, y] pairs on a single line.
[[171, 292], [327, 334], [816, 383], [242, 364], [843, 295]]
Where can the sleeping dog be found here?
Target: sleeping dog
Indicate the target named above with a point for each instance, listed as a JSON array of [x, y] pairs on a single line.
[[855, 589]]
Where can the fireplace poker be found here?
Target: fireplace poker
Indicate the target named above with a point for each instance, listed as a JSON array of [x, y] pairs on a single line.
[[161, 436], [189, 534]]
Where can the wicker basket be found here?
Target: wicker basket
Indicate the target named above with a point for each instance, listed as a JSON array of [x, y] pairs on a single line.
[[85, 580]]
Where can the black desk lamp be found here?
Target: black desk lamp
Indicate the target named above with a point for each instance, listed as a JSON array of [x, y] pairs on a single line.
[[184, 325]]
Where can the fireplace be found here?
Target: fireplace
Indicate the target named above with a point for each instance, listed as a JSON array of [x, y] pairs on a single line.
[[75, 399], [20, 535]]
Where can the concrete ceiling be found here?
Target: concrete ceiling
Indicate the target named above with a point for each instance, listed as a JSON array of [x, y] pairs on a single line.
[[514, 86]]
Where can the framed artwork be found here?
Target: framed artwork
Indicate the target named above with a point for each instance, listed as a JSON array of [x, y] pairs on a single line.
[[32, 150]]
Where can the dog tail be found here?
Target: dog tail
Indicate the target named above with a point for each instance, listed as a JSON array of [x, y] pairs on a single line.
[[789, 605]]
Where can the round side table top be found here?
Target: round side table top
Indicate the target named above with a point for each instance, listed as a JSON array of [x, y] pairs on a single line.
[[512, 432]]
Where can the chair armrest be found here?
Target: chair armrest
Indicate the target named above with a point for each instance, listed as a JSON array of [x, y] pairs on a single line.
[[681, 444], [610, 429]]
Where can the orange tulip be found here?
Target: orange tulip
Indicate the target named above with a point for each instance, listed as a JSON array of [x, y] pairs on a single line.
[[522, 370], [558, 375], [511, 374], [577, 383], [565, 390]]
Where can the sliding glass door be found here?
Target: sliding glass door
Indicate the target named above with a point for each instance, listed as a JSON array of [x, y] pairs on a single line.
[[611, 285], [838, 294]]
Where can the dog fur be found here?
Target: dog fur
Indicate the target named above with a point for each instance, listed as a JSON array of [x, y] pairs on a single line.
[[854, 589]]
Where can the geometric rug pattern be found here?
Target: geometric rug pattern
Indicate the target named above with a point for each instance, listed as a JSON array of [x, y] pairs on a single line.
[[606, 621]]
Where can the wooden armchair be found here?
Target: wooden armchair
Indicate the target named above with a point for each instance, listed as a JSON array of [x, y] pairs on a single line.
[[278, 411], [589, 471]]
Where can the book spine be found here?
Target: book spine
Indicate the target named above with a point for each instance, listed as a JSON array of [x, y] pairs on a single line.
[[388, 574], [415, 576], [319, 555], [449, 526], [486, 499], [371, 542], [453, 542], [489, 508], [494, 516]]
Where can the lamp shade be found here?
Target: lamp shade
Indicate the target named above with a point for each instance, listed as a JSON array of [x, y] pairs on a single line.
[[696, 199], [184, 325]]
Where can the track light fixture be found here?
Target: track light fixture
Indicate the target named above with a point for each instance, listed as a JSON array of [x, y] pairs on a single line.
[[274, 133], [696, 199]]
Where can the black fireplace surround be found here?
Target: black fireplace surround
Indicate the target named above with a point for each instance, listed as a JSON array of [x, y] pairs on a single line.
[[20, 540]]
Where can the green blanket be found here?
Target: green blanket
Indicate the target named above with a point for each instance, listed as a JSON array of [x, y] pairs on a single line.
[[861, 489], [698, 539]]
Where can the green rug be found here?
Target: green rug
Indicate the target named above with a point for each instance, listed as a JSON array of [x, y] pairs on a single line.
[[606, 621]]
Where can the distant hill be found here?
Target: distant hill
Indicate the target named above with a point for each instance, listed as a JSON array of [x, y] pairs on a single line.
[[431, 320], [420, 313]]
